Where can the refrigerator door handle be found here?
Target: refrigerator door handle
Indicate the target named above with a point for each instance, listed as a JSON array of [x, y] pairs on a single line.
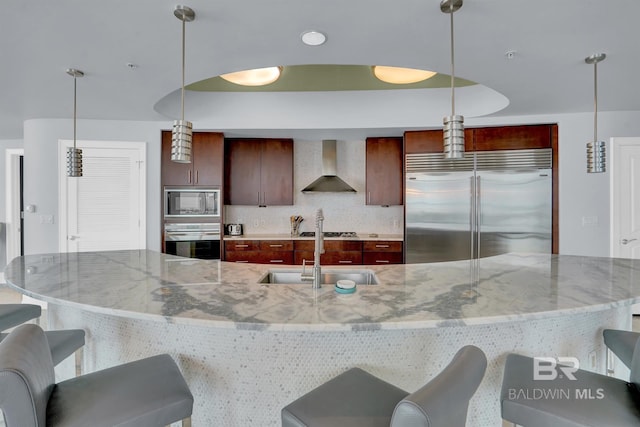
[[478, 215], [472, 215]]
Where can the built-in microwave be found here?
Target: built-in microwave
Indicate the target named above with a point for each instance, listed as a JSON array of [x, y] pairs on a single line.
[[191, 202]]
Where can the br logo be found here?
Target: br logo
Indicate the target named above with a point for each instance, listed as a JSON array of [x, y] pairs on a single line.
[[549, 368]]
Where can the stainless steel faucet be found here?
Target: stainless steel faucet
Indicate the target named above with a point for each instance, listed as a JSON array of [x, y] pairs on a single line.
[[316, 275]]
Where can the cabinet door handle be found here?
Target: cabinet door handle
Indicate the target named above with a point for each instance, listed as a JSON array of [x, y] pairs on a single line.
[[197, 176], [189, 176], [275, 246], [276, 261], [345, 261], [242, 261], [627, 241], [382, 246], [242, 246], [382, 261]]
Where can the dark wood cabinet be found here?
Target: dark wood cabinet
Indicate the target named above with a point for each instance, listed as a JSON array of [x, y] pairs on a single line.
[[336, 252], [382, 252], [483, 139], [207, 159], [384, 165], [259, 172], [259, 251]]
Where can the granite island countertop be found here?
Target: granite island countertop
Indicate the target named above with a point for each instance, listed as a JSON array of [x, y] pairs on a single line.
[[150, 285]]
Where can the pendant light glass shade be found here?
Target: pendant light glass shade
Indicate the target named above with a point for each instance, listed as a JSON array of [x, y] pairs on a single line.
[[453, 131], [596, 150], [74, 154], [182, 131]]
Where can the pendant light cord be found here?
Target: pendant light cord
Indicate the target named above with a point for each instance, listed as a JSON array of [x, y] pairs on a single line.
[[74, 111], [453, 98], [595, 102], [183, 66]]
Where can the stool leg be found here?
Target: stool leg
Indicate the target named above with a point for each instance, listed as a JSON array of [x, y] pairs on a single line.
[[186, 422], [610, 363], [79, 360]]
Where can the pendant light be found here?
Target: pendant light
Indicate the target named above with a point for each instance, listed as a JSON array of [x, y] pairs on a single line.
[[74, 154], [596, 150], [182, 132], [453, 124]]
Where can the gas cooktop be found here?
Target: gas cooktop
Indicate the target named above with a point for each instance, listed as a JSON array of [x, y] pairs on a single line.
[[330, 234]]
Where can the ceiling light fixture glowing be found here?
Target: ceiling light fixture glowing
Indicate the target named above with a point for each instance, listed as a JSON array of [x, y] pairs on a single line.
[[313, 38], [255, 77], [401, 76]]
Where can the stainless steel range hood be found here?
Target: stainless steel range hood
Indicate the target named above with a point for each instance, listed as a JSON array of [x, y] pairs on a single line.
[[329, 182]]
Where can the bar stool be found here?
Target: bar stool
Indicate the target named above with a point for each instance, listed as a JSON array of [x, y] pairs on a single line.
[[356, 398], [621, 343], [16, 314], [568, 397], [149, 392]]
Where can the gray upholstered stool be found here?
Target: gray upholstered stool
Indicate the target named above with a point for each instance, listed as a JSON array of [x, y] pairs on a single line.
[[590, 400], [620, 343], [63, 344], [146, 393], [16, 314], [356, 398]]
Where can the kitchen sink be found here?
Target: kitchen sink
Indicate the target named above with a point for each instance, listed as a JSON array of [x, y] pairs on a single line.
[[329, 277]]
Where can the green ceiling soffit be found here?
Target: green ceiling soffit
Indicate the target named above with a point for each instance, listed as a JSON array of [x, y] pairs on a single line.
[[324, 78]]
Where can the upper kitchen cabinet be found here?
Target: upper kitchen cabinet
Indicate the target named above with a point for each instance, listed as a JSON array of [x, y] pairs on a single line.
[[431, 141], [207, 159], [484, 139], [384, 171], [259, 172]]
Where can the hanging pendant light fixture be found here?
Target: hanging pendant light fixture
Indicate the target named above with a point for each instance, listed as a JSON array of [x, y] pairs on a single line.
[[453, 124], [182, 130], [74, 154], [596, 150]]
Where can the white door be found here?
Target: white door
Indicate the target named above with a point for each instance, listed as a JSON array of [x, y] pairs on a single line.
[[104, 209], [625, 197]]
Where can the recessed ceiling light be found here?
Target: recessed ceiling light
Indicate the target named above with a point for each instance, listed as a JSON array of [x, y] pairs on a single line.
[[401, 76], [255, 77], [313, 38]]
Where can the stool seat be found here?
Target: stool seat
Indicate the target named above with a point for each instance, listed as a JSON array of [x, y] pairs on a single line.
[[149, 392], [16, 314], [621, 343], [356, 398], [590, 400]]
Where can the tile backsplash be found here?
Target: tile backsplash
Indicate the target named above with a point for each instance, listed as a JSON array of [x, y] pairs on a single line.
[[342, 211]]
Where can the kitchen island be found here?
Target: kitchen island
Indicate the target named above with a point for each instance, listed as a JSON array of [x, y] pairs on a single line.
[[247, 349]]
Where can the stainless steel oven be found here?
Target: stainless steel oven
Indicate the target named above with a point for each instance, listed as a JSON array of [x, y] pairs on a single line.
[[192, 202], [200, 240]]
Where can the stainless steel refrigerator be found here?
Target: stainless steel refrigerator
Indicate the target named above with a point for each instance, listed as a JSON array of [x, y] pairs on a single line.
[[486, 204]]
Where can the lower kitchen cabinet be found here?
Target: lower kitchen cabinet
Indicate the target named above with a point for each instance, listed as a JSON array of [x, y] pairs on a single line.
[[259, 251], [336, 252], [382, 252]]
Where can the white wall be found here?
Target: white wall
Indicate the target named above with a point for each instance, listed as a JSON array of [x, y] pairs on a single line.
[[41, 172], [581, 194]]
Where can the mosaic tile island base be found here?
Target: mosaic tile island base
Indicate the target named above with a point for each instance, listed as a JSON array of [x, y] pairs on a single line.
[[247, 349]]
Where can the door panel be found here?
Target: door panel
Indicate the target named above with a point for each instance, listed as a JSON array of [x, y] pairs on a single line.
[[104, 208]]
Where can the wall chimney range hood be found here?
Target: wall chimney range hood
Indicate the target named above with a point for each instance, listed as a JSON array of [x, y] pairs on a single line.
[[329, 182]]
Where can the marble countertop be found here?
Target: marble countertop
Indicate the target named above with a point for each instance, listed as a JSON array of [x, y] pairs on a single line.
[[149, 285]]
